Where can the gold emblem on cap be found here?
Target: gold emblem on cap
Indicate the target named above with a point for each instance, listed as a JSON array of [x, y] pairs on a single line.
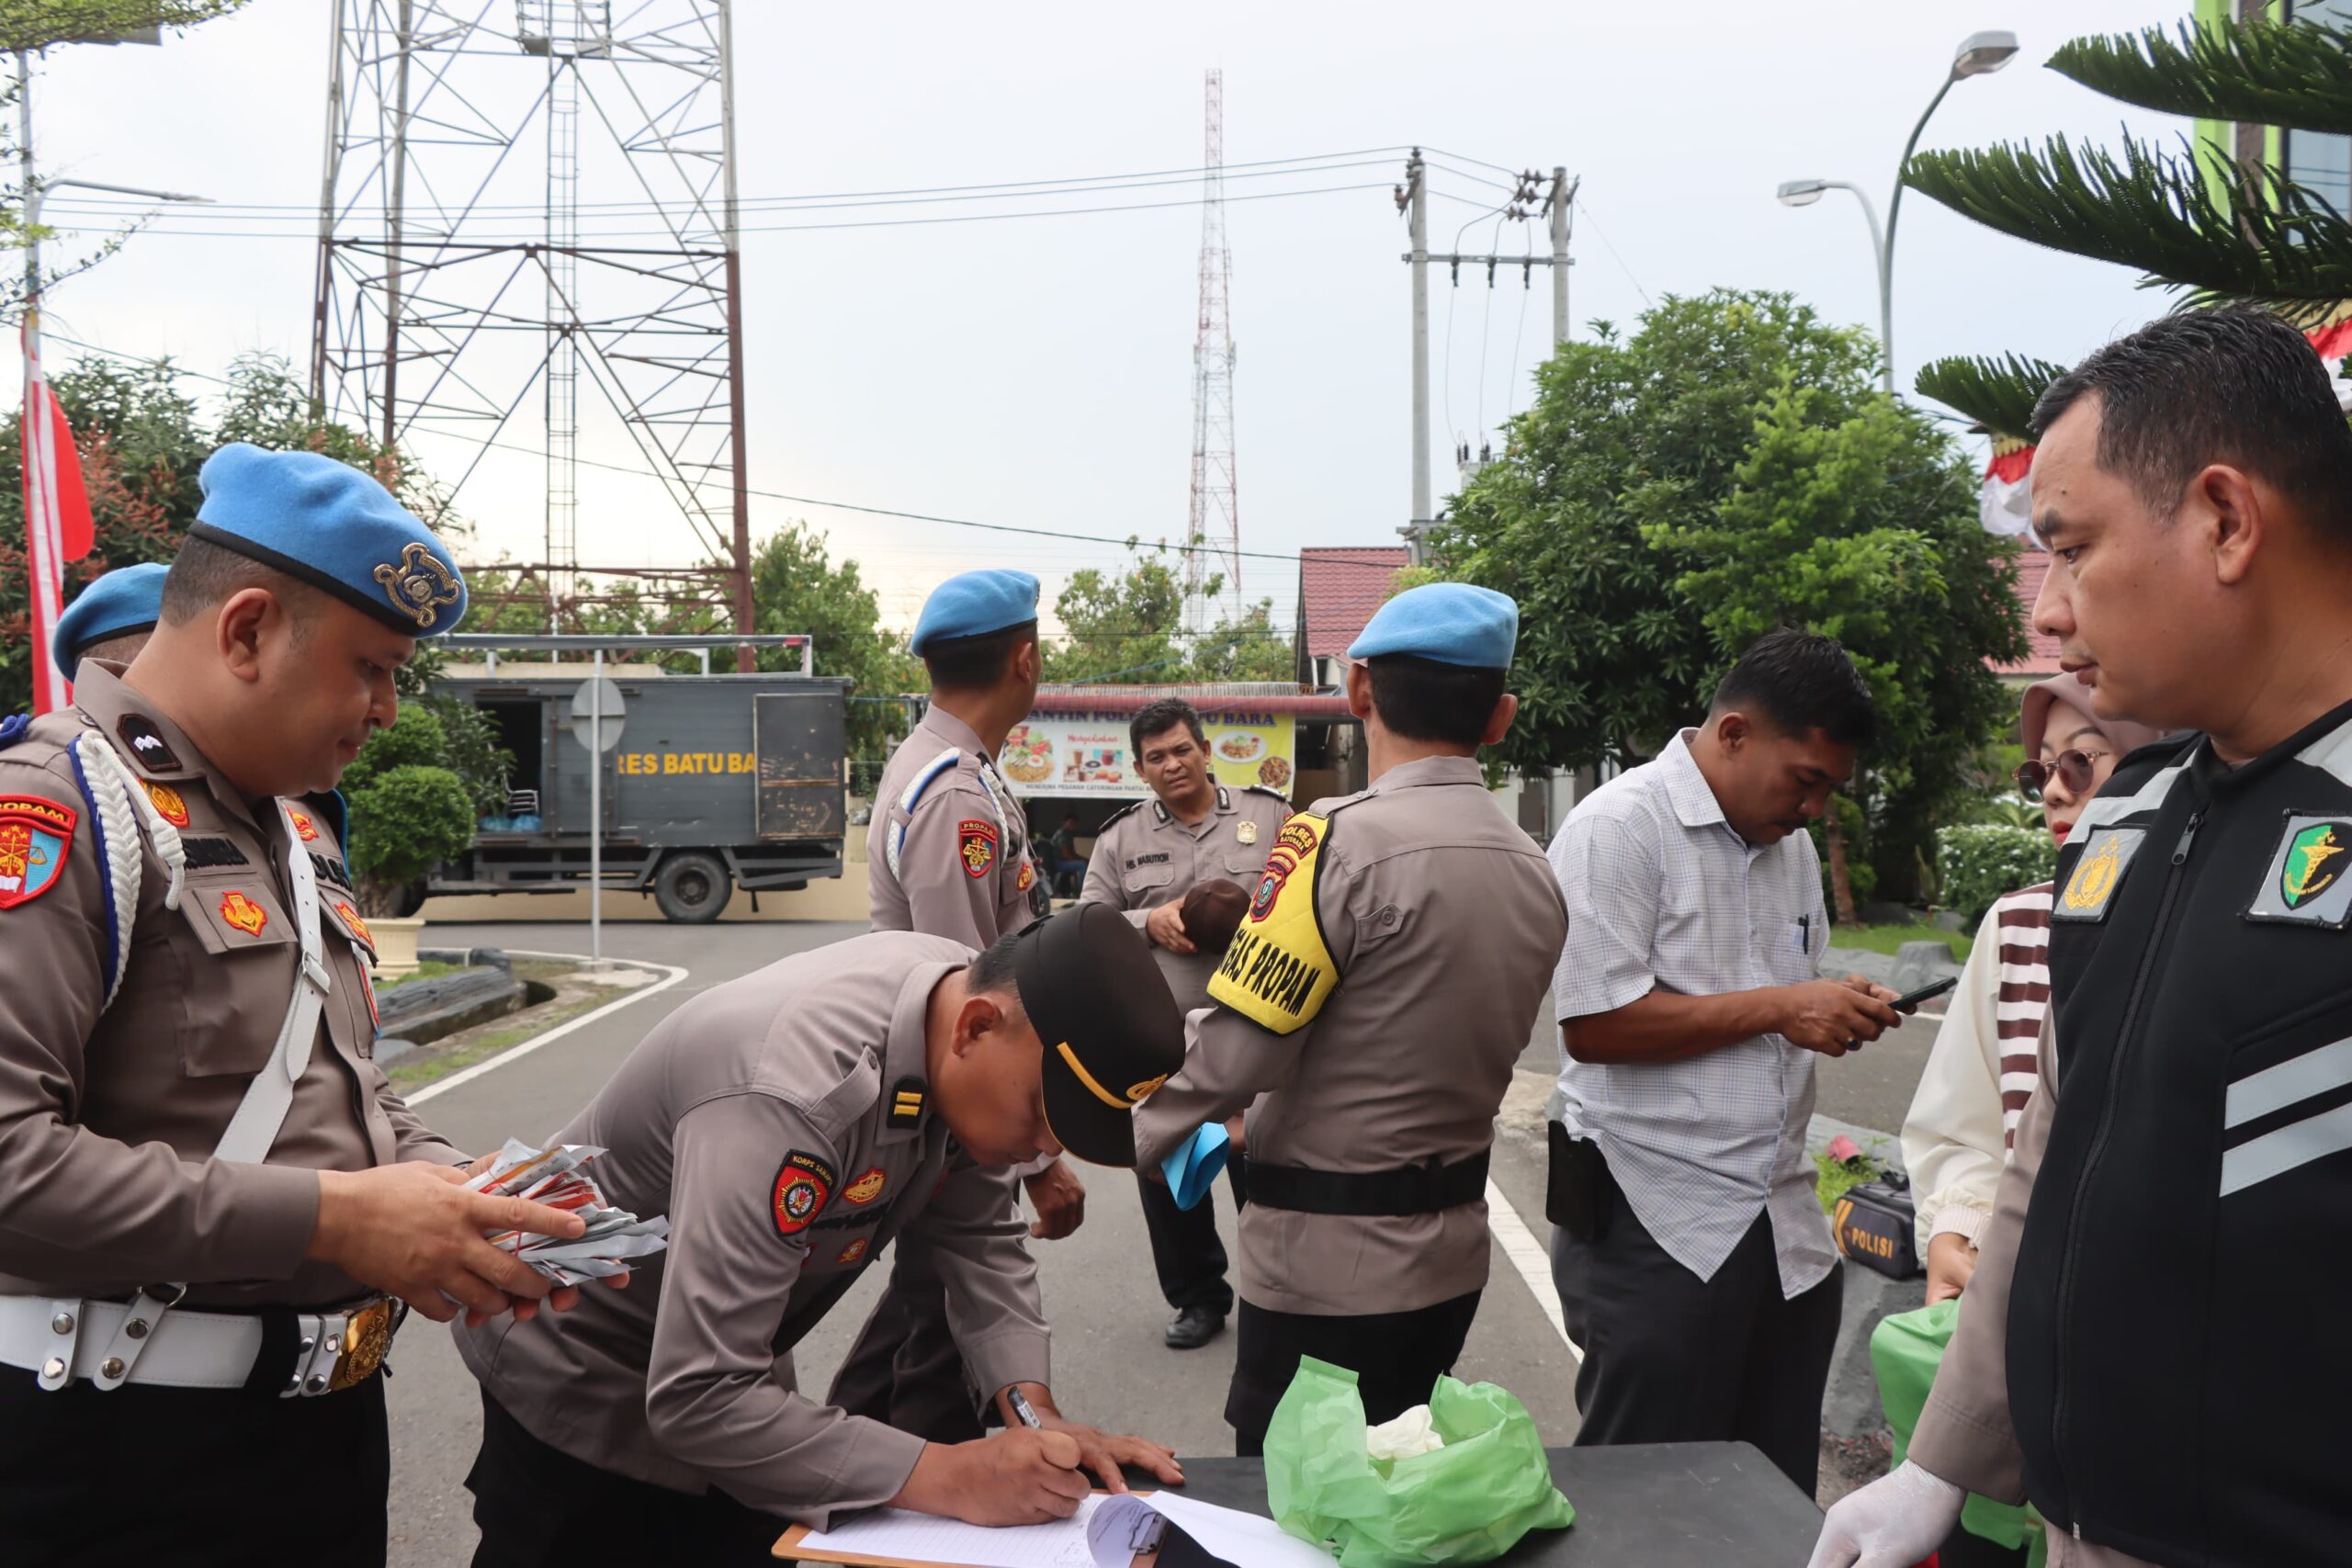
[[1247, 832], [419, 585]]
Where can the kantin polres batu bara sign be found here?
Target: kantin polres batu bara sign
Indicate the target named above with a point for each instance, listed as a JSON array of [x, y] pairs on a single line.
[[1060, 754]]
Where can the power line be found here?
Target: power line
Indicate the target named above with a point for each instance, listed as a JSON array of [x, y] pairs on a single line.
[[1613, 252]]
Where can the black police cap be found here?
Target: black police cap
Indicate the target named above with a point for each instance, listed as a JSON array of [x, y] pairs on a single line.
[[1112, 1031]]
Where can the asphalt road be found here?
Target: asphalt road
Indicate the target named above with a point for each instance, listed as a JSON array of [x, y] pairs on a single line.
[[1109, 1365]]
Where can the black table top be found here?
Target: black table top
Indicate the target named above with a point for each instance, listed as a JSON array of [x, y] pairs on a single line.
[[1643, 1505]]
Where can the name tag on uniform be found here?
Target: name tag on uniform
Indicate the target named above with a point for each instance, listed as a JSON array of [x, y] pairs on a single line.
[[2309, 879], [2090, 889]]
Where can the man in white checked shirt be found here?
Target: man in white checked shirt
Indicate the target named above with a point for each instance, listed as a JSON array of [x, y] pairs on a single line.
[[1692, 1258]]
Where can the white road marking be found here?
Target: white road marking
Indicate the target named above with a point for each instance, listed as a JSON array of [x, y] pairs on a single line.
[[672, 974], [1528, 1255]]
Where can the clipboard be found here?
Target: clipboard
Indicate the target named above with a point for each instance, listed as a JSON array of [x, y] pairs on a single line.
[[788, 1548]]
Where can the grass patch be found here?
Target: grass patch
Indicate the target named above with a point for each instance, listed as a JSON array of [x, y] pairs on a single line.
[[415, 1073], [1887, 938], [1839, 1176], [429, 969]]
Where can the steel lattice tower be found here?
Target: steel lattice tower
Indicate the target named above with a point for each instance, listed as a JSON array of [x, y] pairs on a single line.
[[1215, 532], [462, 279]]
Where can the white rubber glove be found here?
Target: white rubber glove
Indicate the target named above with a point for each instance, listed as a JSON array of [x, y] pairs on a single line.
[[1893, 1522]]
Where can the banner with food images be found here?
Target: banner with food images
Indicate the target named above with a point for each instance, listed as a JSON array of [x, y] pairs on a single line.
[[1059, 755]]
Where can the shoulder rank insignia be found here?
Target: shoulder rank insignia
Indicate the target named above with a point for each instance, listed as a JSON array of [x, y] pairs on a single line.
[[147, 743], [2307, 880], [802, 1184], [2090, 886], [243, 912], [906, 1103], [866, 1188], [169, 802], [976, 846], [35, 834], [1278, 973]]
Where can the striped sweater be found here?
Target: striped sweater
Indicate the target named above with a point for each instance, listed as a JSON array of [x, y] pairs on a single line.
[[1982, 1070]]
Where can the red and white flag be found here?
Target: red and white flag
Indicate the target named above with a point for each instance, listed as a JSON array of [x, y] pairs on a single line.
[[2333, 340], [2006, 505], [57, 517]]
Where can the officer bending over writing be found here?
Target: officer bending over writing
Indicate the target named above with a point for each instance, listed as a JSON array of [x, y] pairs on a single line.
[[793, 1125]]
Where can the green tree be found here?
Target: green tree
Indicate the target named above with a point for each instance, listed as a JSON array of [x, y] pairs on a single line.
[[1250, 648], [797, 587], [410, 810], [2199, 223], [1727, 468], [1122, 624]]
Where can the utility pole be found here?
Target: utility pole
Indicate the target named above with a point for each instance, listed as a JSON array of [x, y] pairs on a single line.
[[1413, 198], [1415, 193]]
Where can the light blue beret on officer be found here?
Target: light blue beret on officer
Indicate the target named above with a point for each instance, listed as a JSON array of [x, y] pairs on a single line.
[[336, 528], [127, 599], [1453, 623], [974, 603]]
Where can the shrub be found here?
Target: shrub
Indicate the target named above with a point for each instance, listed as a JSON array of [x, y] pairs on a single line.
[[1979, 864], [410, 811]]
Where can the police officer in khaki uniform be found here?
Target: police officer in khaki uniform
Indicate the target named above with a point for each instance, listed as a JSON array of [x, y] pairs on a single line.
[[212, 1191], [792, 1125], [948, 855], [1148, 856], [1397, 949]]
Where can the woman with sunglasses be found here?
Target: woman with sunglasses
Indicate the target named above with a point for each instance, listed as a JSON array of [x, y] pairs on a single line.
[[1982, 1068], [1981, 1071]]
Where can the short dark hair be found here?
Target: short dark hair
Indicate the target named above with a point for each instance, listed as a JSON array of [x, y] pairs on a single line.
[[973, 663], [991, 968], [2235, 386], [205, 576], [1164, 713], [1425, 699], [1798, 681]]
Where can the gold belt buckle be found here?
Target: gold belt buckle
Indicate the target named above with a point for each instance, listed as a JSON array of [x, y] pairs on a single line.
[[366, 1337]]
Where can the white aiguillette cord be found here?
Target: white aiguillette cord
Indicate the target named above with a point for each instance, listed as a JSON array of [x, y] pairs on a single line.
[[262, 1113]]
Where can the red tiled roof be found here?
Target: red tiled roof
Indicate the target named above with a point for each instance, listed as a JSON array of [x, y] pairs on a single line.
[[1338, 589], [2042, 656]]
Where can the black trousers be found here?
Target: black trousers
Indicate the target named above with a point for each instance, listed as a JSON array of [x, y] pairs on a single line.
[[191, 1476], [904, 1369], [539, 1507], [1186, 1251], [1398, 1357], [1670, 1357]]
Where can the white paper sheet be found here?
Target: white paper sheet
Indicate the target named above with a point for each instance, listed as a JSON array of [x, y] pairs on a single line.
[[1106, 1532]]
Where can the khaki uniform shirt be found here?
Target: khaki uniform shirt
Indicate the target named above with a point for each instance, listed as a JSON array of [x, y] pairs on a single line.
[[1144, 858], [948, 852], [109, 1115], [782, 1122], [1388, 977]]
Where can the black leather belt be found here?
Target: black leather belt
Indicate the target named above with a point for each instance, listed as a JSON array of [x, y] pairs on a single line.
[[1415, 1189]]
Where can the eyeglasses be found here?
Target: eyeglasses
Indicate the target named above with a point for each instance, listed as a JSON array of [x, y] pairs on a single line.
[[2073, 769]]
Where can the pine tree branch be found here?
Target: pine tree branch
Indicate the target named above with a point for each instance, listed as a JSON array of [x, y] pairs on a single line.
[[1998, 394], [2297, 74], [2261, 238]]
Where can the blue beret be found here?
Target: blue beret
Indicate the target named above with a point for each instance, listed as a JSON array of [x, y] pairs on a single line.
[[129, 599], [334, 527], [974, 603], [1453, 623]]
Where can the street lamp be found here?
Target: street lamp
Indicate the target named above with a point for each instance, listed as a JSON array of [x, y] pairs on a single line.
[[1979, 54]]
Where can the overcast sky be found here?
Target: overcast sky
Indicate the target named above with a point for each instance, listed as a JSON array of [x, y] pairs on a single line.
[[1038, 371]]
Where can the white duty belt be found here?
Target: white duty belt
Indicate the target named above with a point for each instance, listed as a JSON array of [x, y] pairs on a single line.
[[144, 1341]]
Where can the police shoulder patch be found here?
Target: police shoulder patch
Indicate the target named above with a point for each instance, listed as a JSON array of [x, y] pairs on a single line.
[[803, 1184], [976, 846], [1279, 971], [2090, 888], [35, 834], [2308, 878]]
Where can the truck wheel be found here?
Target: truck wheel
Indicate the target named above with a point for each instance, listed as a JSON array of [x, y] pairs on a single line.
[[692, 889]]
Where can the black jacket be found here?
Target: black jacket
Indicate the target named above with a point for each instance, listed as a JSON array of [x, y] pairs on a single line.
[[2179, 1359]]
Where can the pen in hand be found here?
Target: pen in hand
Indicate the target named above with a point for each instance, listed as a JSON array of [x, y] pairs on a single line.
[[1020, 1407]]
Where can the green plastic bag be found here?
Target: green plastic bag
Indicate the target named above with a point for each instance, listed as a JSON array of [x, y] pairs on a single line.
[[1467, 1502], [1906, 1350]]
